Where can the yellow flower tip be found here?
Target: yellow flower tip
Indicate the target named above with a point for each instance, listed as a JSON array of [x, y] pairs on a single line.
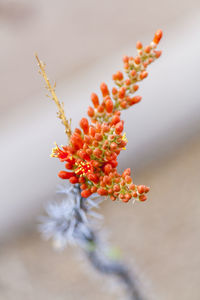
[[124, 138], [55, 150]]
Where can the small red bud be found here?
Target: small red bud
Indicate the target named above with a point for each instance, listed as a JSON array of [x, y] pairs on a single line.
[[157, 36], [86, 193], [139, 45], [100, 109], [90, 112], [125, 59], [84, 125], [107, 168], [133, 73], [141, 189], [122, 92], [109, 105], [147, 49], [137, 60], [119, 128], [73, 179], [102, 191], [104, 89], [114, 91], [143, 74], [95, 100], [142, 198], [65, 175]]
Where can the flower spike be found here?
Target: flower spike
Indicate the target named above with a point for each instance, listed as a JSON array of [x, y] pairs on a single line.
[[91, 155]]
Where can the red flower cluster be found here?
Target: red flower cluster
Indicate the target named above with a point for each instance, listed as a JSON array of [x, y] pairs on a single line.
[[91, 156]]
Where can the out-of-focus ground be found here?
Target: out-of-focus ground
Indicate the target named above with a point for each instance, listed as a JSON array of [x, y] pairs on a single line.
[[161, 236]]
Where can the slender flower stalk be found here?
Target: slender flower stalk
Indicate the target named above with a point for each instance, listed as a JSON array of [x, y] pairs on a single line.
[[61, 113], [90, 160]]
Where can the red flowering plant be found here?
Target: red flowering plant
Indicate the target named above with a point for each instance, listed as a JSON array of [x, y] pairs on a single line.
[[90, 158], [91, 155]]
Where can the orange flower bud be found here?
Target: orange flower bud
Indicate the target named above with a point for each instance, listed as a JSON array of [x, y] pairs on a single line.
[[95, 143], [139, 45], [147, 49], [120, 75], [92, 131], [77, 130], [157, 36], [93, 189], [106, 179], [128, 81], [121, 196], [122, 92], [125, 59], [114, 164], [97, 152], [104, 89], [73, 179], [158, 53], [83, 186], [147, 189], [113, 146], [132, 187], [95, 100], [126, 66], [135, 87], [86, 193], [141, 189], [107, 168], [76, 140], [100, 109], [93, 177], [134, 100], [114, 91], [68, 165], [98, 137], [116, 188], [114, 77], [127, 197], [115, 120], [123, 104], [109, 105], [65, 175], [143, 74], [84, 125], [142, 198], [137, 60], [81, 179], [127, 172], [89, 151], [128, 179], [133, 73], [102, 191], [119, 127], [90, 112], [150, 60], [105, 127], [110, 191]]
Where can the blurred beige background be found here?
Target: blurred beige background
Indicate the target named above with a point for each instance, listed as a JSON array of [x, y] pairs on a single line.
[[82, 43]]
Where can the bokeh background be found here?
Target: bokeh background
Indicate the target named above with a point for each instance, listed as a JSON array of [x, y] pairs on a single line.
[[82, 43]]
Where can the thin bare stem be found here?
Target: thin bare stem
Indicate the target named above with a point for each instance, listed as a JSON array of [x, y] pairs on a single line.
[[61, 112]]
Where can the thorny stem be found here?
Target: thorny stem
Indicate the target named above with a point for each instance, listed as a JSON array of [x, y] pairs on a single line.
[[106, 266], [61, 113]]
